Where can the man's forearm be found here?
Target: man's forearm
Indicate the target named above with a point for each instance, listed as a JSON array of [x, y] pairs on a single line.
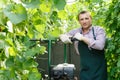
[[86, 40]]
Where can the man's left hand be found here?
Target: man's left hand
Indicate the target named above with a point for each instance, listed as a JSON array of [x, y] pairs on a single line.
[[78, 36]]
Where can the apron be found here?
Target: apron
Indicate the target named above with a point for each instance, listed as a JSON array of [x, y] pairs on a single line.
[[92, 63]]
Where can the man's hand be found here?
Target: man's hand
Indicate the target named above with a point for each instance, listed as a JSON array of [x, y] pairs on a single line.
[[65, 38], [78, 36]]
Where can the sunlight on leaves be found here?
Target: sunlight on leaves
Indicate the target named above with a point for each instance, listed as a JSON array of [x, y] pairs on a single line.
[[12, 51], [40, 28], [62, 14], [45, 7]]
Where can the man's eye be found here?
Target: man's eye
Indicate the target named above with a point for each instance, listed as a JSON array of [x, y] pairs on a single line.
[[81, 19], [86, 18]]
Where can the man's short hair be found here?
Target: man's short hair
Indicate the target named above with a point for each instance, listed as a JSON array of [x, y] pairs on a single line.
[[82, 12]]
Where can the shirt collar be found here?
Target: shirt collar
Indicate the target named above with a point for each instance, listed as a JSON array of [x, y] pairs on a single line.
[[88, 31]]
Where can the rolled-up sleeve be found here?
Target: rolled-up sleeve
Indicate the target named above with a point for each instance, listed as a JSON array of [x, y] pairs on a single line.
[[99, 43]]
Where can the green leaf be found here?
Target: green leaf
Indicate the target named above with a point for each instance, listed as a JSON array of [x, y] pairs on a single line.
[[16, 13], [2, 44], [3, 77], [45, 7], [31, 3], [2, 35], [7, 73], [10, 62], [56, 32], [40, 28], [18, 63], [2, 18], [10, 73], [62, 14], [60, 4], [9, 41], [20, 32], [96, 1], [32, 52], [30, 32], [29, 63], [42, 49], [29, 53], [38, 35], [54, 16], [34, 76], [49, 36], [12, 51], [118, 63]]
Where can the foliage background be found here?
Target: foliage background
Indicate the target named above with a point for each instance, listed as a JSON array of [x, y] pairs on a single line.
[[22, 20]]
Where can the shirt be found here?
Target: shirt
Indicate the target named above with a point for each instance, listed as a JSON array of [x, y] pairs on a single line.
[[100, 35]]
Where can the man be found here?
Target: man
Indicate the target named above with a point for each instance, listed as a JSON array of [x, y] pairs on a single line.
[[90, 46]]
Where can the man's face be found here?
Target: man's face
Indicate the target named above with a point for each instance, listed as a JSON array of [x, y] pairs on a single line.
[[85, 20]]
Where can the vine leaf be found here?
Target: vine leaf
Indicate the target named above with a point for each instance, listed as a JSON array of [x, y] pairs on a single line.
[[31, 3], [60, 4], [118, 63], [16, 13]]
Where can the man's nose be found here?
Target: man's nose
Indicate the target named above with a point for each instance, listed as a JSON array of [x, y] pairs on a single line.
[[84, 20]]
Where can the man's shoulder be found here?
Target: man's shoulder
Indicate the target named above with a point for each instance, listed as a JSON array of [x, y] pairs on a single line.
[[98, 27], [74, 30]]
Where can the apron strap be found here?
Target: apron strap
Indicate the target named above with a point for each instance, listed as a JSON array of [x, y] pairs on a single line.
[[93, 33]]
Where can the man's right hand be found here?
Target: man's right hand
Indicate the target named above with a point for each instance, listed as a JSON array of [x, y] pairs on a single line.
[[65, 38]]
